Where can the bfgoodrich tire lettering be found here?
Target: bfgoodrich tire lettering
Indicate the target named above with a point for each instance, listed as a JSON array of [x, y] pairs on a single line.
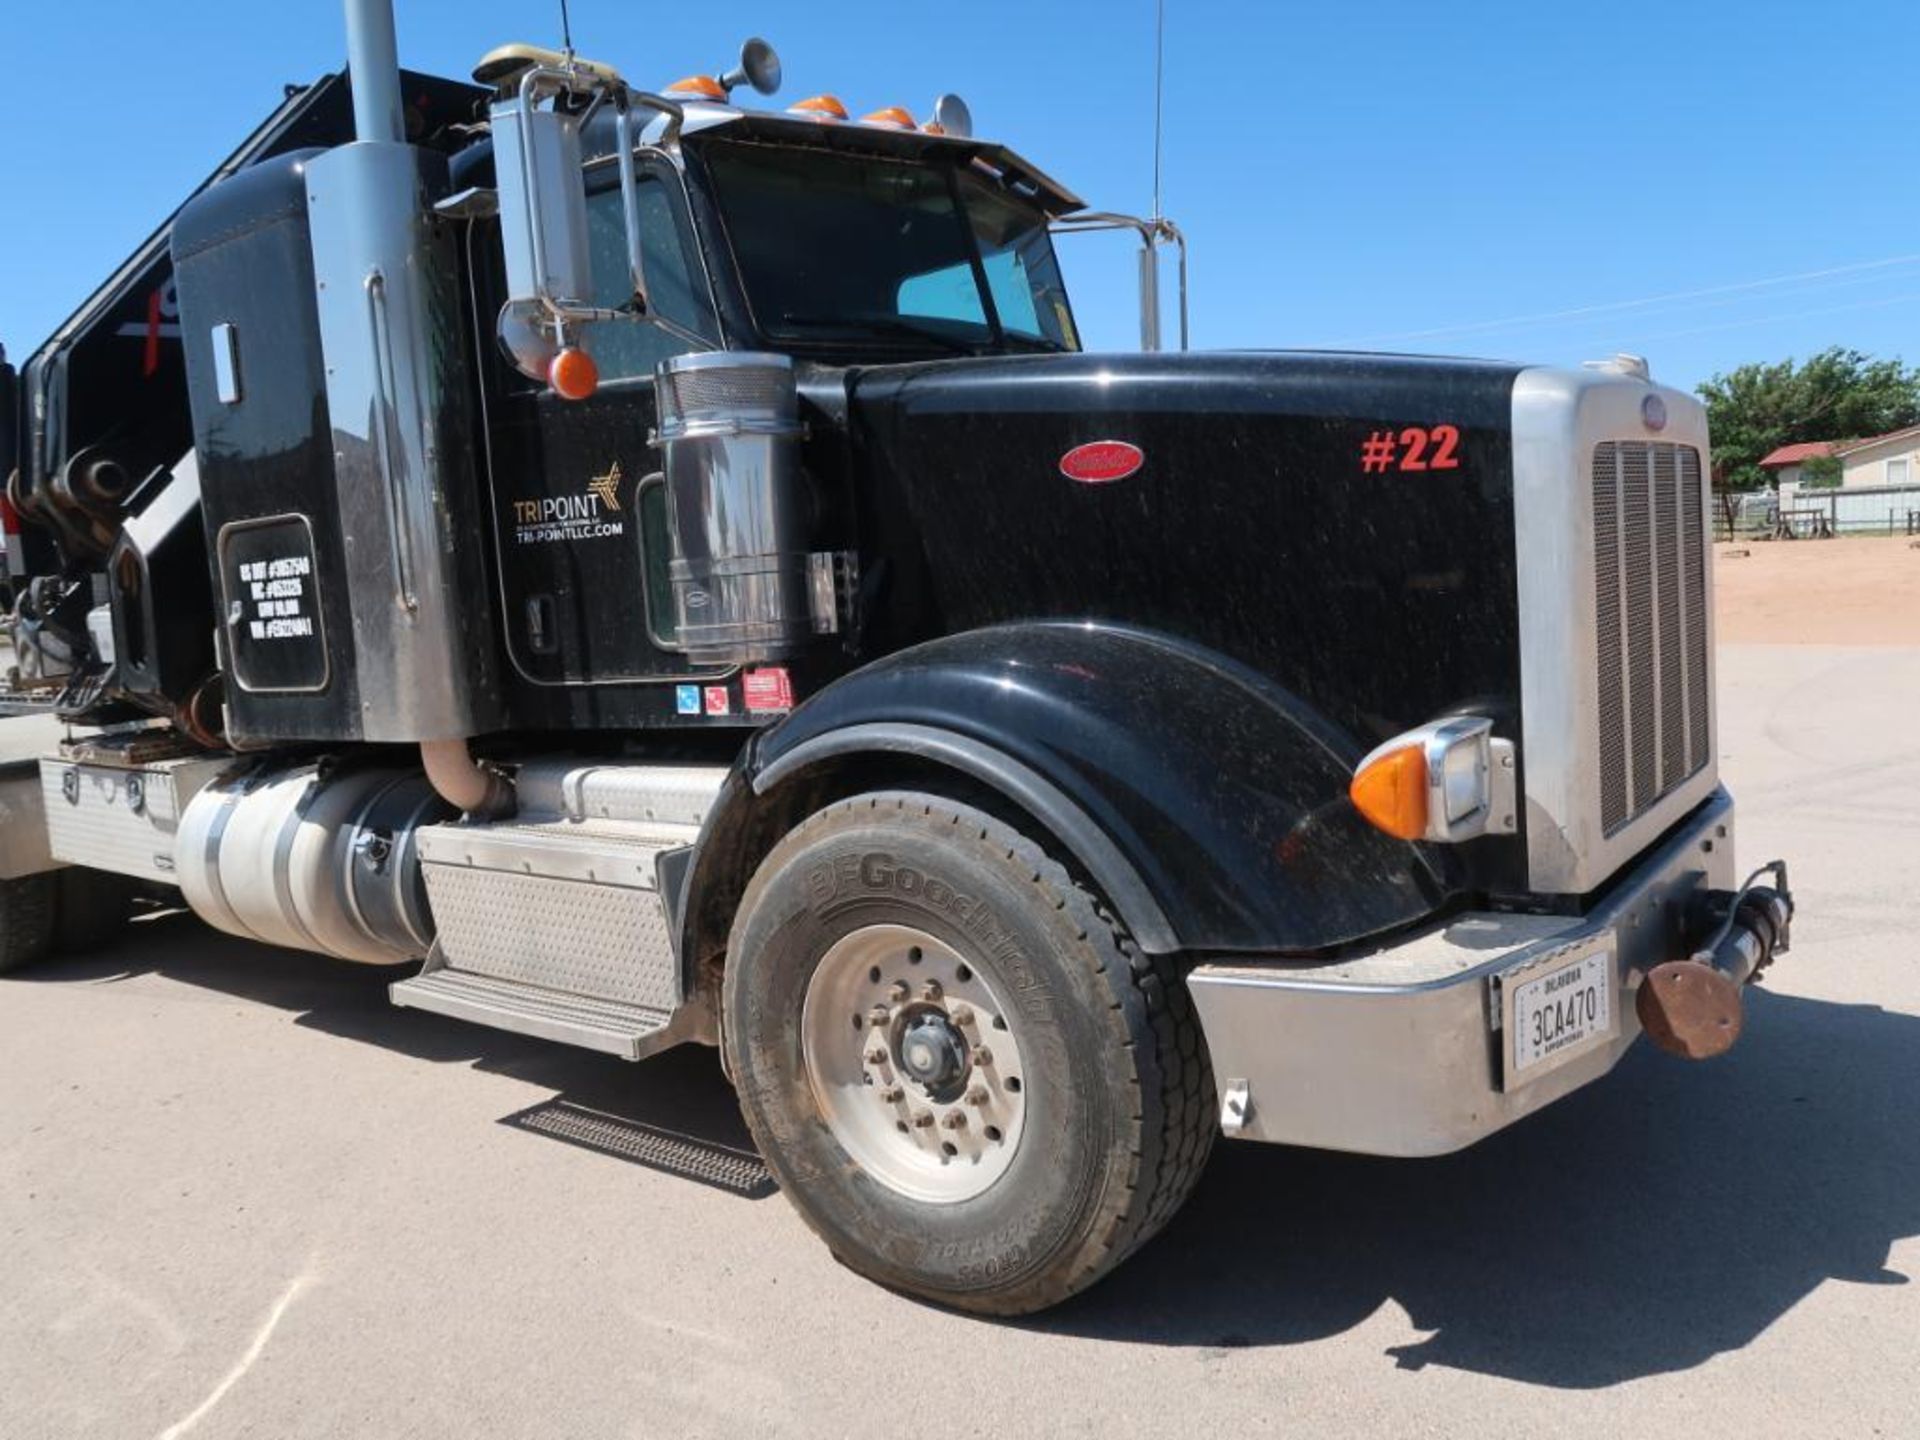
[[1118, 1113]]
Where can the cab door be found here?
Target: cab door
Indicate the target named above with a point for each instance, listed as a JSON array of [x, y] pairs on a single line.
[[581, 536]]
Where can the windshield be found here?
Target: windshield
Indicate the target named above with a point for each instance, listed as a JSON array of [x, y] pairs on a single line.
[[836, 248]]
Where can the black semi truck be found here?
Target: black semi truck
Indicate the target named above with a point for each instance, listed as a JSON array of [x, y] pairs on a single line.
[[670, 570]]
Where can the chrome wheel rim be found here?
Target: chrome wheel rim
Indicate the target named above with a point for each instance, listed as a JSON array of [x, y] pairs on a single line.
[[914, 1063]]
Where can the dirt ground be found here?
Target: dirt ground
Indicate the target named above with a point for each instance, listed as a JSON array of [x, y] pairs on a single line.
[[1863, 591], [243, 1197]]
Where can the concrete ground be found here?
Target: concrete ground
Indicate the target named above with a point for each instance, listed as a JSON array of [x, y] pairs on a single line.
[[241, 1196]]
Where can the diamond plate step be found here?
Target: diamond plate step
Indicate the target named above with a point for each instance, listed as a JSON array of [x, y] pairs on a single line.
[[631, 1032], [570, 907]]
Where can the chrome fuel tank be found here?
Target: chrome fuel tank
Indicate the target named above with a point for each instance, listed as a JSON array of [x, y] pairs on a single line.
[[738, 507]]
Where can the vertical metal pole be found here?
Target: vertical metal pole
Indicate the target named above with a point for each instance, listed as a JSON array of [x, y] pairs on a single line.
[[630, 201], [1149, 294], [373, 61]]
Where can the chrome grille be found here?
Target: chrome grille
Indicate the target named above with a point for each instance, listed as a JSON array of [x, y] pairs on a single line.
[[1650, 597]]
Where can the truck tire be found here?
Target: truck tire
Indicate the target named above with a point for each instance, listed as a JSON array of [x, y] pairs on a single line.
[[965, 1076], [26, 919], [92, 907]]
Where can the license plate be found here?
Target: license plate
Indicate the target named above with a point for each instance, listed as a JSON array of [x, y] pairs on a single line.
[[1558, 1014]]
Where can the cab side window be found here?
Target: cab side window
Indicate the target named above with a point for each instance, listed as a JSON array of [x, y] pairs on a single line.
[[628, 349]]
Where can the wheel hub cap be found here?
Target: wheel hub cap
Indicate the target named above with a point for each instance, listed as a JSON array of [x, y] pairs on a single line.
[[933, 1052], [914, 1062]]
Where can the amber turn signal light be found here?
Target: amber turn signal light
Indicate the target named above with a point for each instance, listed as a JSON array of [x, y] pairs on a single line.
[[573, 374], [820, 107], [700, 87], [1390, 790], [1447, 781], [894, 117]]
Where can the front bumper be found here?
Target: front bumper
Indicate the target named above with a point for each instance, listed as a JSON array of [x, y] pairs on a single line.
[[1400, 1052]]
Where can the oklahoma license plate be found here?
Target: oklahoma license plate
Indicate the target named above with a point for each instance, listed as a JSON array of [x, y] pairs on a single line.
[[1557, 1014]]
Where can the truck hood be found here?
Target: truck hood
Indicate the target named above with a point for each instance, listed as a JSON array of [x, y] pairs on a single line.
[[1310, 515]]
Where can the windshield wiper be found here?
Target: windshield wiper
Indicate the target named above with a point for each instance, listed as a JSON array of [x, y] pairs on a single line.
[[884, 325]]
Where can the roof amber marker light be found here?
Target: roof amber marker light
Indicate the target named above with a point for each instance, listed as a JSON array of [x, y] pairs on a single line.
[[820, 107], [700, 87], [1390, 790], [573, 374], [894, 117]]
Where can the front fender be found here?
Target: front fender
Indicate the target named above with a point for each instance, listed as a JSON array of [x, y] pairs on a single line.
[[1210, 805]]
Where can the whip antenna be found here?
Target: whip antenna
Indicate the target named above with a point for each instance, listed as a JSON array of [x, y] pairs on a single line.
[[566, 30], [1159, 93]]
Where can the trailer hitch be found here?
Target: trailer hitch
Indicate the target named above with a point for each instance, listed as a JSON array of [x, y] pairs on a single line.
[[1692, 1007]]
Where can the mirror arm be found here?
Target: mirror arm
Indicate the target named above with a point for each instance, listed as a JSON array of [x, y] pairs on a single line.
[[676, 114], [630, 203], [1153, 234]]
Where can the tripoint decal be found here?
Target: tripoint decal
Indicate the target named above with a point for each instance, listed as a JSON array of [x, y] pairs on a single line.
[[592, 514]]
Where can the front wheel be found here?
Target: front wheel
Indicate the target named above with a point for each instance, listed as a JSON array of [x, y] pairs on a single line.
[[967, 1078]]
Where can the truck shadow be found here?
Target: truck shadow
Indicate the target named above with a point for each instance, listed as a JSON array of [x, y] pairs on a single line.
[[678, 1096], [1644, 1225]]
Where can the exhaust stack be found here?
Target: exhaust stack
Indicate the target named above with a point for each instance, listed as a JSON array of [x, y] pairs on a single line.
[[373, 63], [386, 273]]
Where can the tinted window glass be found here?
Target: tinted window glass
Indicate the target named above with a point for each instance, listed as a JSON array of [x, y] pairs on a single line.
[[1016, 250], [630, 348], [860, 247]]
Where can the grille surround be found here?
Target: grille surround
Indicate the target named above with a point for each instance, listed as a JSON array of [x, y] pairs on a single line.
[[1650, 585], [1560, 418]]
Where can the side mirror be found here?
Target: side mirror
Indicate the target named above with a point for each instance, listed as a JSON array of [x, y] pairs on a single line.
[[541, 190], [542, 193]]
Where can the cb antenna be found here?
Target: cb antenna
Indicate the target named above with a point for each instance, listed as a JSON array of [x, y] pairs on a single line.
[[1159, 94], [566, 31]]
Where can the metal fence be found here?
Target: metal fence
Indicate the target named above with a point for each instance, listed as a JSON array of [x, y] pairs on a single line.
[[1865, 509], [1739, 516], [1848, 510]]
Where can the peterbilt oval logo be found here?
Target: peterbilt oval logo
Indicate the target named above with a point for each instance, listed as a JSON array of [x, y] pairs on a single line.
[[1102, 462]]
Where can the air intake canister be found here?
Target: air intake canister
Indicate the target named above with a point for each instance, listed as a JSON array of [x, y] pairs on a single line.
[[737, 504]]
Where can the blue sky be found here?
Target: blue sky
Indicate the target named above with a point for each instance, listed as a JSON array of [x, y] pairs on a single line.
[[1386, 175]]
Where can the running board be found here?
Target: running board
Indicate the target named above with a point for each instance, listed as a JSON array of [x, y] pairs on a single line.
[[631, 1032], [560, 922]]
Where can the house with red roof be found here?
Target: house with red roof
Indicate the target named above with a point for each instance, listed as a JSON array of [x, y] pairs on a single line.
[[1787, 463]]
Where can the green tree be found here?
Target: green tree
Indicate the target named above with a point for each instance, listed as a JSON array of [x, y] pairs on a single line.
[[1822, 472], [1839, 394]]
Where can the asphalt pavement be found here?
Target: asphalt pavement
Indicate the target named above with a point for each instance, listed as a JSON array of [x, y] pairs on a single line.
[[241, 1195]]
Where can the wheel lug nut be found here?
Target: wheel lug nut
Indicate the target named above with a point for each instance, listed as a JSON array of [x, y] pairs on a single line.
[[977, 1095], [930, 991], [879, 1016], [954, 1120], [923, 1119], [900, 992], [876, 1057], [961, 1014], [982, 1055], [893, 1095]]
